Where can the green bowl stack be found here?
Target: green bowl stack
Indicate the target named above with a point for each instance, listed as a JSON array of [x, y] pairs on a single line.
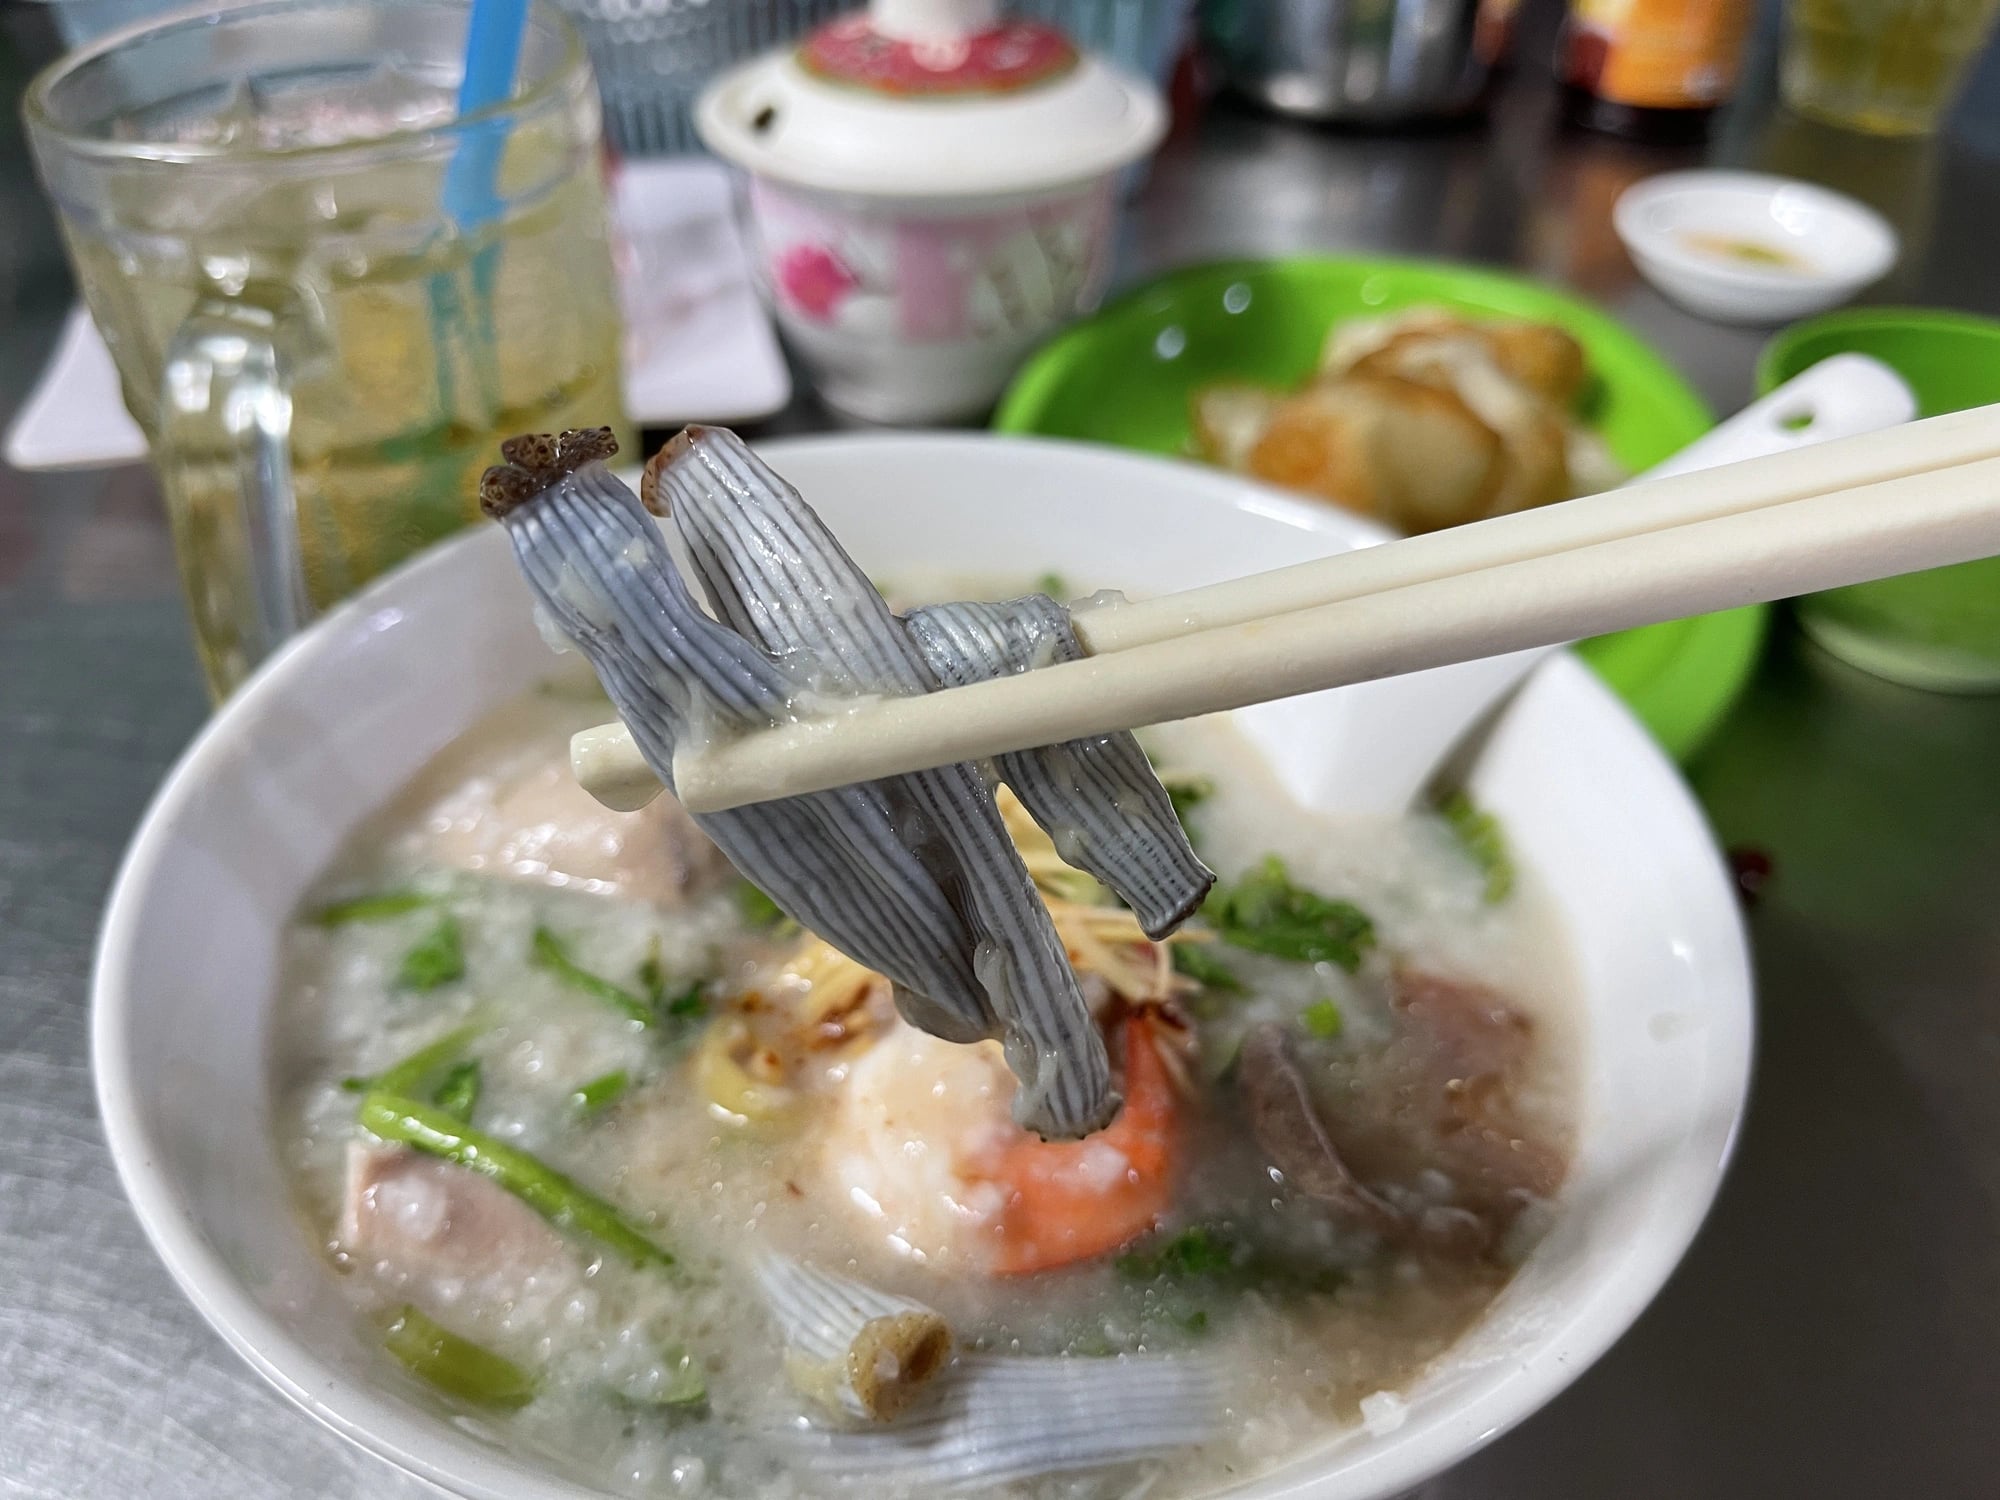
[[1939, 629]]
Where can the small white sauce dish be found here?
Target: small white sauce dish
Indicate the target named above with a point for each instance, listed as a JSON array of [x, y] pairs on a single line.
[[1744, 247]]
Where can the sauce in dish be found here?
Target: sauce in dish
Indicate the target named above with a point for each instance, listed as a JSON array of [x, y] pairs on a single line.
[[633, 1174], [1760, 254]]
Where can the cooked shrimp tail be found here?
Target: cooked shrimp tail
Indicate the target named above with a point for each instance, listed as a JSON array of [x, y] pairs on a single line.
[[1070, 1201]]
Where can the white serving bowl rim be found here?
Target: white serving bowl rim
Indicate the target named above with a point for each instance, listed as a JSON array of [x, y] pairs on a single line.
[[458, 1461]]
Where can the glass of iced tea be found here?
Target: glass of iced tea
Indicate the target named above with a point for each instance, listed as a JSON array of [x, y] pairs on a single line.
[[1887, 67], [328, 294]]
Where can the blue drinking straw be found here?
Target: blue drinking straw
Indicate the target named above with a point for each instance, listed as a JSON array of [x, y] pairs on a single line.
[[471, 196], [492, 54]]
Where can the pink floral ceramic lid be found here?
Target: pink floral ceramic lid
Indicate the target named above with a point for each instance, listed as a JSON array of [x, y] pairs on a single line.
[[1001, 58], [925, 99]]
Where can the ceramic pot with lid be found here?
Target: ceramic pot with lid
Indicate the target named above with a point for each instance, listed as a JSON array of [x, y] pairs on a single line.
[[932, 191]]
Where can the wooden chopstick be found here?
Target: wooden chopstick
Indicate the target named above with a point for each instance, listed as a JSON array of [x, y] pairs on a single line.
[[1856, 533], [609, 765], [1643, 506]]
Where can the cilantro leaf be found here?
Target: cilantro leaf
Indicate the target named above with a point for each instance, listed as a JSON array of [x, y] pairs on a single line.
[[458, 1094], [1266, 913], [688, 1005], [1480, 835], [1201, 965], [437, 960], [1198, 1251], [653, 978]]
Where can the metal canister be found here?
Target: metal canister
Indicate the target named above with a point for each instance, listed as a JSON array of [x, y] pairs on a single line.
[[1372, 61]]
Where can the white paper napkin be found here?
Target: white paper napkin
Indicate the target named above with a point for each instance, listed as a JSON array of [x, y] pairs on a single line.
[[698, 346]]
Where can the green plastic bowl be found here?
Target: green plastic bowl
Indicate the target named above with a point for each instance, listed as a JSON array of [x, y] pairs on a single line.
[[1941, 628], [1126, 376], [1950, 359]]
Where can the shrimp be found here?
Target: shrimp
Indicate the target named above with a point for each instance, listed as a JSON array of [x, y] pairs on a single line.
[[1075, 1200], [923, 1147]]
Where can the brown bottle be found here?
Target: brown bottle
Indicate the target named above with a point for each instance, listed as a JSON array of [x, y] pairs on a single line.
[[1653, 70]]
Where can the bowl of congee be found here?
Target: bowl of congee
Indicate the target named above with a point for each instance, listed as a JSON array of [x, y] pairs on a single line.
[[1100, 1120]]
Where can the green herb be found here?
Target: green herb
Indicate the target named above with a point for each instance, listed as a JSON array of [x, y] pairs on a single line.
[[759, 910], [547, 953], [374, 908], [595, 1095], [1054, 585], [1179, 1284], [458, 1095], [1266, 913], [688, 1005], [1187, 793], [356, 1083], [1480, 835], [1322, 1019], [437, 960], [566, 1204], [652, 978], [1199, 1251], [440, 1357], [1210, 1255], [1199, 964], [1165, 1309], [683, 1384], [1095, 1343], [685, 1007], [414, 1073]]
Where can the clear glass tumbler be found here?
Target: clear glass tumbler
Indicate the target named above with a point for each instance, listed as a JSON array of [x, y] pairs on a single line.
[[1886, 67], [328, 296]]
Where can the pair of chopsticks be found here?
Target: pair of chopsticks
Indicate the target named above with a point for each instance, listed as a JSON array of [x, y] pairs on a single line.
[[1901, 500]]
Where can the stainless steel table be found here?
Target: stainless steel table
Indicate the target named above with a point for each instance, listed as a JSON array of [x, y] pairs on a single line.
[[1836, 1331]]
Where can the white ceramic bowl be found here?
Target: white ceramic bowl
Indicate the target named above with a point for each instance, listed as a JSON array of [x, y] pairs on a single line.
[[1810, 248], [341, 718]]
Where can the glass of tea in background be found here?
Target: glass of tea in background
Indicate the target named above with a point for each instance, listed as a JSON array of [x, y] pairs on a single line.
[[328, 296], [1887, 67]]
